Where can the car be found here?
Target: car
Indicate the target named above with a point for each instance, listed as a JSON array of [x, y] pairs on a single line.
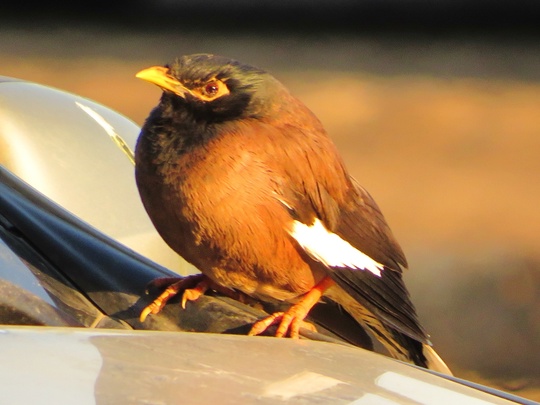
[[76, 254]]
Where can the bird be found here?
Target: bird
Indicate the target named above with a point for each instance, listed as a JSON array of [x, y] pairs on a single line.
[[240, 178]]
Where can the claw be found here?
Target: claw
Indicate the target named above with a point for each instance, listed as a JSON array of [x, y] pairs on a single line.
[[292, 320], [289, 324], [193, 294], [193, 286], [153, 308], [260, 326], [173, 289]]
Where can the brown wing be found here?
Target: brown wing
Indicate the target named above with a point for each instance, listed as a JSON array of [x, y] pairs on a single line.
[[320, 187]]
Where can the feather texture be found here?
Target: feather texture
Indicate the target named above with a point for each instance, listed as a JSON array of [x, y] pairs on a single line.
[[246, 185]]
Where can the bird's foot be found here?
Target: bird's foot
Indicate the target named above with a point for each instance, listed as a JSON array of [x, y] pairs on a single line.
[[192, 286], [290, 321], [193, 294], [293, 319], [174, 286]]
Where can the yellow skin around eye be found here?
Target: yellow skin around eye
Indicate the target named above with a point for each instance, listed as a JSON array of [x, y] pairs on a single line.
[[222, 90]]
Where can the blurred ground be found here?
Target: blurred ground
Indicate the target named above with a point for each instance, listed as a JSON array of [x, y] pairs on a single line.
[[443, 131]]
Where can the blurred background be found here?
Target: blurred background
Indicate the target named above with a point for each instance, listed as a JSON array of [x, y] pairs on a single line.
[[435, 106]]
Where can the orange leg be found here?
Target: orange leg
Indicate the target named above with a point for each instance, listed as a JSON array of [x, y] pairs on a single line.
[[193, 294], [172, 290], [293, 318], [192, 286]]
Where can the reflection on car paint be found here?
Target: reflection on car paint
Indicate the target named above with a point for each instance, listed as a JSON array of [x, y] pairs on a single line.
[[303, 383], [118, 140], [69, 368], [423, 392]]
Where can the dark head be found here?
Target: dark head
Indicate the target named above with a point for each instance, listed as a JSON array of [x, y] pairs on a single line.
[[213, 88]]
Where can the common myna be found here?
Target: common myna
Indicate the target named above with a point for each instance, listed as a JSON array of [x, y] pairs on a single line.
[[241, 179]]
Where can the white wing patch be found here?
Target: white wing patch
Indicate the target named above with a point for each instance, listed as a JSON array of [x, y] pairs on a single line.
[[330, 249]]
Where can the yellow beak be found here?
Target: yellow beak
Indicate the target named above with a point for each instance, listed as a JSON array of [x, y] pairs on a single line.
[[160, 76]]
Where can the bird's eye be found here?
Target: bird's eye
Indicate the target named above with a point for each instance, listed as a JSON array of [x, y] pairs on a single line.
[[211, 89]]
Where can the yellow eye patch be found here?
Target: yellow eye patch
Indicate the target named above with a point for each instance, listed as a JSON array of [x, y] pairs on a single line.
[[211, 90]]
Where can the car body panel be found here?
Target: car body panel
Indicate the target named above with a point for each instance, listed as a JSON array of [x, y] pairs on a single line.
[[65, 146], [164, 367]]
